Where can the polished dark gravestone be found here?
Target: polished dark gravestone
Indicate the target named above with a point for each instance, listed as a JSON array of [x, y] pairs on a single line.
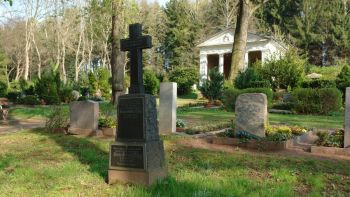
[[137, 156]]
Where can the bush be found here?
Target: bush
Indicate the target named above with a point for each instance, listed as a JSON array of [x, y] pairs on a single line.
[[151, 82], [213, 87], [285, 71], [107, 122], [335, 139], [104, 84], [185, 79], [52, 100], [47, 87], [13, 96], [283, 106], [320, 83], [267, 91], [3, 89], [29, 100], [261, 84], [65, 93], [59, 118], [317, 101], [245, 78], [230, 96], [343, 79]]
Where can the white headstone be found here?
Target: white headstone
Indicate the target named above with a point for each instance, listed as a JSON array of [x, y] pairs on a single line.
[[347, 119], [167, 107], [251, 113]]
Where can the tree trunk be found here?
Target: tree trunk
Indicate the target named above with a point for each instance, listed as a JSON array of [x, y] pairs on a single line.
[[76, 65], [26, 50], [240, 38], [117, 59], [39, 56]]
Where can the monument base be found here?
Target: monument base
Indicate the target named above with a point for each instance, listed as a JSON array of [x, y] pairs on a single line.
[[139, 163], [144, 178], [85, 132]]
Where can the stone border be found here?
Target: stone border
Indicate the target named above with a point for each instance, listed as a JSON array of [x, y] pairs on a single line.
[[253, 144], [330, 150]]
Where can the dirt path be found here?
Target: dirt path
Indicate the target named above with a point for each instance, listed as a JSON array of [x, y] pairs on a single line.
[[16, 125]]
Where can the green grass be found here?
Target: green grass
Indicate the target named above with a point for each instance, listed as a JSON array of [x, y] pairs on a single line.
[[328, 72], [32, 112], [42, 164], [195, 117], [44, 111]]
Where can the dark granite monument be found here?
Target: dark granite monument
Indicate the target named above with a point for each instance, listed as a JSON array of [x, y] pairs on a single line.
[[137, 156]]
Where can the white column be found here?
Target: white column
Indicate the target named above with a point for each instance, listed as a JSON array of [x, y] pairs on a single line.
[[221, 63], [347, 119], [203, 71], [167, 107]]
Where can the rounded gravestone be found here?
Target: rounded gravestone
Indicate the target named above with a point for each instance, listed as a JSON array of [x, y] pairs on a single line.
[[251, 113]]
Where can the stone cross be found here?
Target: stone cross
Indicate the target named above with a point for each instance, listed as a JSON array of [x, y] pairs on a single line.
[[134, 44]]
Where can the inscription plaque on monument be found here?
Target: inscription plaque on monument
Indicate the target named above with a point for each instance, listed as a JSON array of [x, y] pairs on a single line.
[[127, 156], [131, 111], [137, 156]]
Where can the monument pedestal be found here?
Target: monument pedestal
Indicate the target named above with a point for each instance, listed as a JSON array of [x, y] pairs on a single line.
[[137, 156]]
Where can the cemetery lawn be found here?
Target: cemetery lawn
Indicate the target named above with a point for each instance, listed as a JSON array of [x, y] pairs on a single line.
[[207, 117], [37, 163]]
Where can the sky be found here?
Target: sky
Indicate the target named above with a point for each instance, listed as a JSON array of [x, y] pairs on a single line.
[[161, 2]]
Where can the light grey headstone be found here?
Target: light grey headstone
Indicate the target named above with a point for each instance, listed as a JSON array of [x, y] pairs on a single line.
[[347, 119], [251, 113], [167, 107], [83, 117]]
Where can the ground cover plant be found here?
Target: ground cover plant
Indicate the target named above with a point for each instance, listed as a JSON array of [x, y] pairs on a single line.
[[41, 163]]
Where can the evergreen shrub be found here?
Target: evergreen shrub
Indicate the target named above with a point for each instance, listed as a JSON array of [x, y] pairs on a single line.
[[231, 94], [150, 82], [317, 101], [213, 87], [185, 79], [319, 83]]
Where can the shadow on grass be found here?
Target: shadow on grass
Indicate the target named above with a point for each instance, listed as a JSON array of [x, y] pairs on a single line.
[[84, 149]]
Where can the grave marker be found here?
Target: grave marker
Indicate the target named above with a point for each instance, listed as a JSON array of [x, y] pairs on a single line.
[[137, 156], [83, 117], [251, 113], [347, 119], [167, 107]]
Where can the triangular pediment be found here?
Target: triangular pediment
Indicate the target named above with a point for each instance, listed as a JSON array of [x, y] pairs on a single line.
[[227, 37]]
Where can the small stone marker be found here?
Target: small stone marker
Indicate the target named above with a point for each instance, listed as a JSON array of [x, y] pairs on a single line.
[[83, 117], [167, 107], [251, 113], [137, 156], [347, 119]]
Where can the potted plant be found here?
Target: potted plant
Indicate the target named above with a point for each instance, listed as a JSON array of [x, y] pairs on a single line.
[[108, 125], [180, 125]]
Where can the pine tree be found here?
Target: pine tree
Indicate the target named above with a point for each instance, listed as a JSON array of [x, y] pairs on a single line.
[[181, 33]]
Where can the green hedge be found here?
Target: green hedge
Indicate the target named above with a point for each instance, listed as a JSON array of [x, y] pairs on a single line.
[[320, 83], [317, 101], [230, 96], [29, 100]]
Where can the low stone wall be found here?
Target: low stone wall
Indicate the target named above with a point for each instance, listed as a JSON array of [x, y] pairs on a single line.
[[330, 150], [252, 144]]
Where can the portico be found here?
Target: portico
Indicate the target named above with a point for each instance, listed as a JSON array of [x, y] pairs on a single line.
[[216, 51]]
